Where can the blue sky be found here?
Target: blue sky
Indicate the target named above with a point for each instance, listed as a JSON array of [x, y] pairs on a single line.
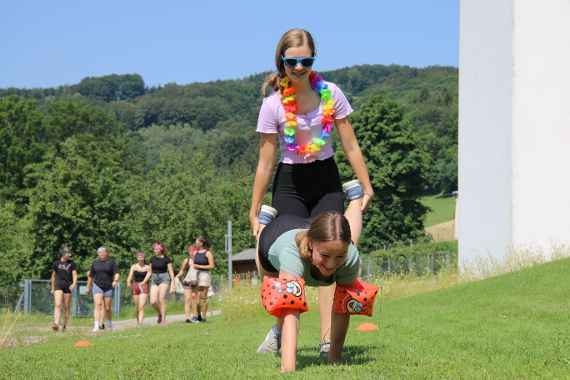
[[50, 43]]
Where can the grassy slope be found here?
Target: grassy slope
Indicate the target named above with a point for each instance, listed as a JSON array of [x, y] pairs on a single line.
[[512, 326], [442, 209]]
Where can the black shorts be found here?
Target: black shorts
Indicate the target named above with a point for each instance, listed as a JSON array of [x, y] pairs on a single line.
[[306, 190], [63, 287], [272, 231]]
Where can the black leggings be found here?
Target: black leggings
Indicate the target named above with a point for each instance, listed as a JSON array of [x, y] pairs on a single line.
[[272, 231], [306, 190]]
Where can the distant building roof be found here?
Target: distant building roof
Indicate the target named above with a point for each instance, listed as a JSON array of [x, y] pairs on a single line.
[[245, 255]]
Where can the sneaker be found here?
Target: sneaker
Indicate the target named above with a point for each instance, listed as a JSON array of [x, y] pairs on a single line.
[[63, 328], [272, 341], [352, 190], [188, 320], [159, 319], [195, 320], [266, 214], [200, 319], [55, 327], [95, 329], [102, 327], [109, 325], [324, 349]]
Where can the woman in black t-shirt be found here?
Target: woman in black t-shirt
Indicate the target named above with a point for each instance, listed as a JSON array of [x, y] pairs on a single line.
[[161, 280], [102, 279], [63, 281]]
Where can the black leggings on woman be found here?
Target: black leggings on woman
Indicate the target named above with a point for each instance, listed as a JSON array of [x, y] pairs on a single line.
[[306, 190]]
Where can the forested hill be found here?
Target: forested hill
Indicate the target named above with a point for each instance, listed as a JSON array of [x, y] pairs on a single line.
[[428, 97], [111, 161]]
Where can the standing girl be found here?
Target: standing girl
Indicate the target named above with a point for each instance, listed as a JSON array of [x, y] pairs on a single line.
[[203, 262], [137, 281], [63, 281], [103, 278], [161, 280], [299, 116], [189, 278]]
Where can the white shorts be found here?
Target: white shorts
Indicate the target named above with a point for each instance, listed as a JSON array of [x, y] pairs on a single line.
[[204, 278]]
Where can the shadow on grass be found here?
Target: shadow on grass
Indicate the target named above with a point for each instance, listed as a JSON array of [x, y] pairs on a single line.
[[308, 356]]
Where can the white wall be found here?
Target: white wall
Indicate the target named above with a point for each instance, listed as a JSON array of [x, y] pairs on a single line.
[[541, 116], [514, 127], [485, 119]]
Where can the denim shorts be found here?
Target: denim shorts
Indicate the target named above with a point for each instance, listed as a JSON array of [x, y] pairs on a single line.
[[160, 278], [106, 294]]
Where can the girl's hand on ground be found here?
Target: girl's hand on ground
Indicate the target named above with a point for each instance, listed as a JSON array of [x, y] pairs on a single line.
[[366, 200]]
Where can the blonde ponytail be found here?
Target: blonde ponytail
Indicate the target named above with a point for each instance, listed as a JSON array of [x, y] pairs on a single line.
[[271, 81]]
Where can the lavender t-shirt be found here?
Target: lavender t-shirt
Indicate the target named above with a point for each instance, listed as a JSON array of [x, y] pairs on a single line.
[[272, 120]]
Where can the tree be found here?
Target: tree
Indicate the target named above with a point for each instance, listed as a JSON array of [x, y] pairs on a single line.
[[16, 247], [184, 196], [22, 139], [396, 165], [68, 117], [112, 87], [81, 200]]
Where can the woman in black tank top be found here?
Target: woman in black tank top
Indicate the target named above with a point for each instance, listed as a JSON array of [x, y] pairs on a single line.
[[201, 258], [137, 280], [139, 276], [203, 262]]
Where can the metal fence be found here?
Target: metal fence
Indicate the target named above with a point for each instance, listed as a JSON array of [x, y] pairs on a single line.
[[401, 265], [36, 297], [374, 266]]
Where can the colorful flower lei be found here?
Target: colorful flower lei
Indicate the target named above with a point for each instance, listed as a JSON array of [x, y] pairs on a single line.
[[290, 105]]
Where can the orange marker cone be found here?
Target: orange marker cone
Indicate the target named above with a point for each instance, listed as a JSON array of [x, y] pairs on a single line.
[[82, 344], [367, 327]]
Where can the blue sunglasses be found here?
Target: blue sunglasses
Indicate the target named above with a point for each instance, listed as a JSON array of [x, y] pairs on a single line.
[[294, 61]]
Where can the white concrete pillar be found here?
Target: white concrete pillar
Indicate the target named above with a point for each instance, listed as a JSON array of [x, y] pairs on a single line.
[[514, 128]]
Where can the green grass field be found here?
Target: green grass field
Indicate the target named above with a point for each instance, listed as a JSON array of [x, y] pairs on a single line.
[[510, 326], [442, 209]]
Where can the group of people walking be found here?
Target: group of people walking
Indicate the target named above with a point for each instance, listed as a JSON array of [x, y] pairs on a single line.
[[154, 279]]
